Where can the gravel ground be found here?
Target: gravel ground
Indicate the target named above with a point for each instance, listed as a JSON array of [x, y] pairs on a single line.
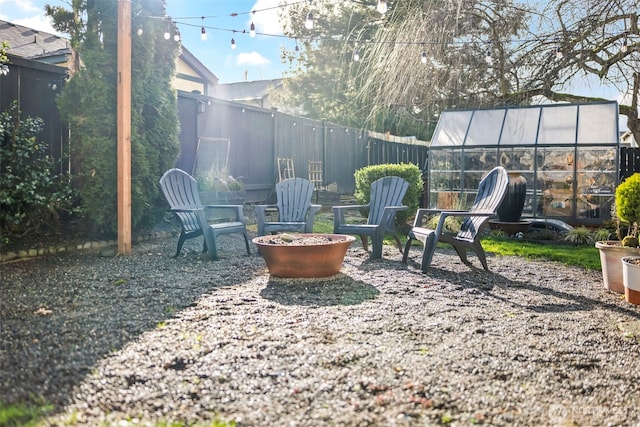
[[149, 339]]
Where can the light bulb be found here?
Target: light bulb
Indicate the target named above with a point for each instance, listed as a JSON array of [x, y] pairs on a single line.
[[624, 47], [423, 59], [382, 6], [356, 55], [167, 35], [252, 31], [140, 31], [203, 34], [308, 23], [233, 44], [488, 59], [176, 36], [559, 54]]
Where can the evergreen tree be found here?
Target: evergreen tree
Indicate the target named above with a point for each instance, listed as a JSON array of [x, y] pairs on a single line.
[[88, 102]]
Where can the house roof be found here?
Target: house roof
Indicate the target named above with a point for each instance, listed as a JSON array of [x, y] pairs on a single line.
[[246, 91], [198, 66], [33, 44]]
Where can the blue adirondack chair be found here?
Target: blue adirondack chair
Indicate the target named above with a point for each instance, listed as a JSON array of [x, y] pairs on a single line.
[[181, 191], [385, 202], [293, 207], [491, 191]]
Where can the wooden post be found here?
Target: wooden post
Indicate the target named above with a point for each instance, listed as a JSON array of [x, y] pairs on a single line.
[[124, 127]]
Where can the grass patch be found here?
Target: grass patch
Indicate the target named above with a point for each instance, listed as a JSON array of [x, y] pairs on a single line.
[[575, 255], [585, 256], [22, 415]]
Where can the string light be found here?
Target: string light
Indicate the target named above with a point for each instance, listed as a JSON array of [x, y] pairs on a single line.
[[308, 23], [203, 32], [382, 6], [140, 31], [167, 34], [487, 56]]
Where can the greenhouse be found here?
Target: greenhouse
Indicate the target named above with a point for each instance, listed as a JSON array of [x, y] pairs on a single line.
[[568, 154]]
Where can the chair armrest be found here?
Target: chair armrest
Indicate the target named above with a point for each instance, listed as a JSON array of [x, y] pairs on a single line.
[[338, 212], [421, 213], [388, 213], [238, 210]]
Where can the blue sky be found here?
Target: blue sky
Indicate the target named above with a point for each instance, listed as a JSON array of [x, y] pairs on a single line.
[[254, 58]]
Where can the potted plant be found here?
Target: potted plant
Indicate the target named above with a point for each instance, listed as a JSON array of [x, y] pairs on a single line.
[[217, 187], [626, 214], [631, 279]]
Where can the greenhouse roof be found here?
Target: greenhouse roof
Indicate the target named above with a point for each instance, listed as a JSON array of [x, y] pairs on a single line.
[[555, 124]]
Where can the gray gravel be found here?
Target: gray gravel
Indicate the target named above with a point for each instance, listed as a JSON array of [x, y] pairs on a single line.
[[147, 339]]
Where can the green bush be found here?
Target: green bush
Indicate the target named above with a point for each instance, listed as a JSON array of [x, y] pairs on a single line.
[[409, 172], [627, 205], [31, 195], [88, 103]]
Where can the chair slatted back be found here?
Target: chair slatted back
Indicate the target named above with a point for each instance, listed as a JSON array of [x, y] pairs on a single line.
[[491, 191], [386, 191], [181, 191], [294, 199]]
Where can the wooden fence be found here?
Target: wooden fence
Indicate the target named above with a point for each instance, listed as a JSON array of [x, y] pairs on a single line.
[[260, 136], [629, 161]]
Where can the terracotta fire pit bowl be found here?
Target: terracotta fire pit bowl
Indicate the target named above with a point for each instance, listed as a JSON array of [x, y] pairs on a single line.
[[303, 255]]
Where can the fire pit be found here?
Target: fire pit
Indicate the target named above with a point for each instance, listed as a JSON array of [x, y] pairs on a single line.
[[303, 255]]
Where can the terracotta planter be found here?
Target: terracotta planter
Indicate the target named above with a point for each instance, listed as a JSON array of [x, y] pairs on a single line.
[[631, 279], [611, 254], [304, 259]]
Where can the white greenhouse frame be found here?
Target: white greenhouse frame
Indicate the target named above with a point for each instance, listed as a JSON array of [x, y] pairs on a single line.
[[569, 154]]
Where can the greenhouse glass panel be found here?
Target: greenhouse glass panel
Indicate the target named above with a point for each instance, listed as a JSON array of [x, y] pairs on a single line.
[[590, 119], [558, 125], [520, 126], [568, 154], [451, 129], [596, 182], [485, 127]]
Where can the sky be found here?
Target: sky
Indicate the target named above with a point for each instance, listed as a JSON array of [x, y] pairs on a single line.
[[256, 58]]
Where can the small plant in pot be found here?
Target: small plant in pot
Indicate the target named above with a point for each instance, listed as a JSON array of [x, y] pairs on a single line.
[[628, 211], [626, 214]]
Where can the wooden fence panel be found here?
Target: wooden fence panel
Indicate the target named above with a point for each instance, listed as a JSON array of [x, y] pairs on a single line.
[[629, 161]]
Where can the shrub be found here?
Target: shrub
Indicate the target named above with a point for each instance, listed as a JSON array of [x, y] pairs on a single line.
[[579, 236], [31, 195], [627, 206], [409, 172]]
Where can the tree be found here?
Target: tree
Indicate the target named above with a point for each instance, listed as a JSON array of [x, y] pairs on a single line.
[[88, 102], [426, 56], [418, 59], [582, 40]]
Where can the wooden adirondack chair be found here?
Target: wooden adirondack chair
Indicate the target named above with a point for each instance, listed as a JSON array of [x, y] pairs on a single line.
[[294, 208], [181, 191], [491, 191], [385, 202]]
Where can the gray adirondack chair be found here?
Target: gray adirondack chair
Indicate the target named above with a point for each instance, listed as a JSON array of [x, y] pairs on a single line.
[[385, 202], [491, 191], [293, 207], [181, 191]]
